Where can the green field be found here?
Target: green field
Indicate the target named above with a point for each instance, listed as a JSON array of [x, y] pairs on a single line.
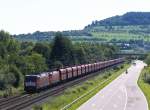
[[74, 92], [137, 32], [122, 28], [119, 36]]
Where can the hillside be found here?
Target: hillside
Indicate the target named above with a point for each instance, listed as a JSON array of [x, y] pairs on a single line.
[[132, 25], [48, 36], [130, 18]]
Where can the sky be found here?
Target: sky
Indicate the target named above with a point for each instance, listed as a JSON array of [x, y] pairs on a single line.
[[27, 16]]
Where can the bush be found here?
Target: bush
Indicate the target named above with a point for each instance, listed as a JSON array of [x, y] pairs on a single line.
[[122, 66], [79, 90], [10, 76], [105, 77], [147, 78], [116, 68], [147, 60], [37, 107], [57, 65], [8, 91], [74, 91], [89, 83], [109, 74], [17, 74], [2, 83], [84, 87]]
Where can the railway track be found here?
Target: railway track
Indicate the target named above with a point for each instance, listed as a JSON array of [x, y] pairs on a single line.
[[24, 101], [2, 99], [5, 102], [7, 98]]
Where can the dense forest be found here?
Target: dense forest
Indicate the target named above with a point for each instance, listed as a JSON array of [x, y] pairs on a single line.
[[21, 58]]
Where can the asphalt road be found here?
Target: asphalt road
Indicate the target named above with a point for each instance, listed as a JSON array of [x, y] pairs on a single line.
[[122, 94]]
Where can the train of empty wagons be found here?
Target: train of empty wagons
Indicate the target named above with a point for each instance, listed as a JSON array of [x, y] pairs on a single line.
[[33, 83]]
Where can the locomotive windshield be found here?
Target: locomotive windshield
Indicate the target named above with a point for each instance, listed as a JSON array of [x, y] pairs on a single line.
[[30, 80]]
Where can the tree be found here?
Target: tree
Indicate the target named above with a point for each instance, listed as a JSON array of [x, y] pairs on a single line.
[[4, 37], [4, 42], [42, 48], [25, 45], [7, 44], [34, 64], [147, 60], [17, 74], [13, 46], [62, 50], [80, 55], [10, 76], [57, 65]]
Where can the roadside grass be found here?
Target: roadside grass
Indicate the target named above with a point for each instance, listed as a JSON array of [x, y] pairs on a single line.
[[145, 87], [72, 93]]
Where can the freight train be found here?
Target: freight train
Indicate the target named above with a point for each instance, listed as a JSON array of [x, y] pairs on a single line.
[[33, 83]]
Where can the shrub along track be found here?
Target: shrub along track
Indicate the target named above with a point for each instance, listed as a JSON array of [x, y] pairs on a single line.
[[24, 101]]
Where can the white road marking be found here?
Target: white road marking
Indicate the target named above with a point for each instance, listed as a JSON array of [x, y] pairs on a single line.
[[103, 96], [126, 99], [93, 105]]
